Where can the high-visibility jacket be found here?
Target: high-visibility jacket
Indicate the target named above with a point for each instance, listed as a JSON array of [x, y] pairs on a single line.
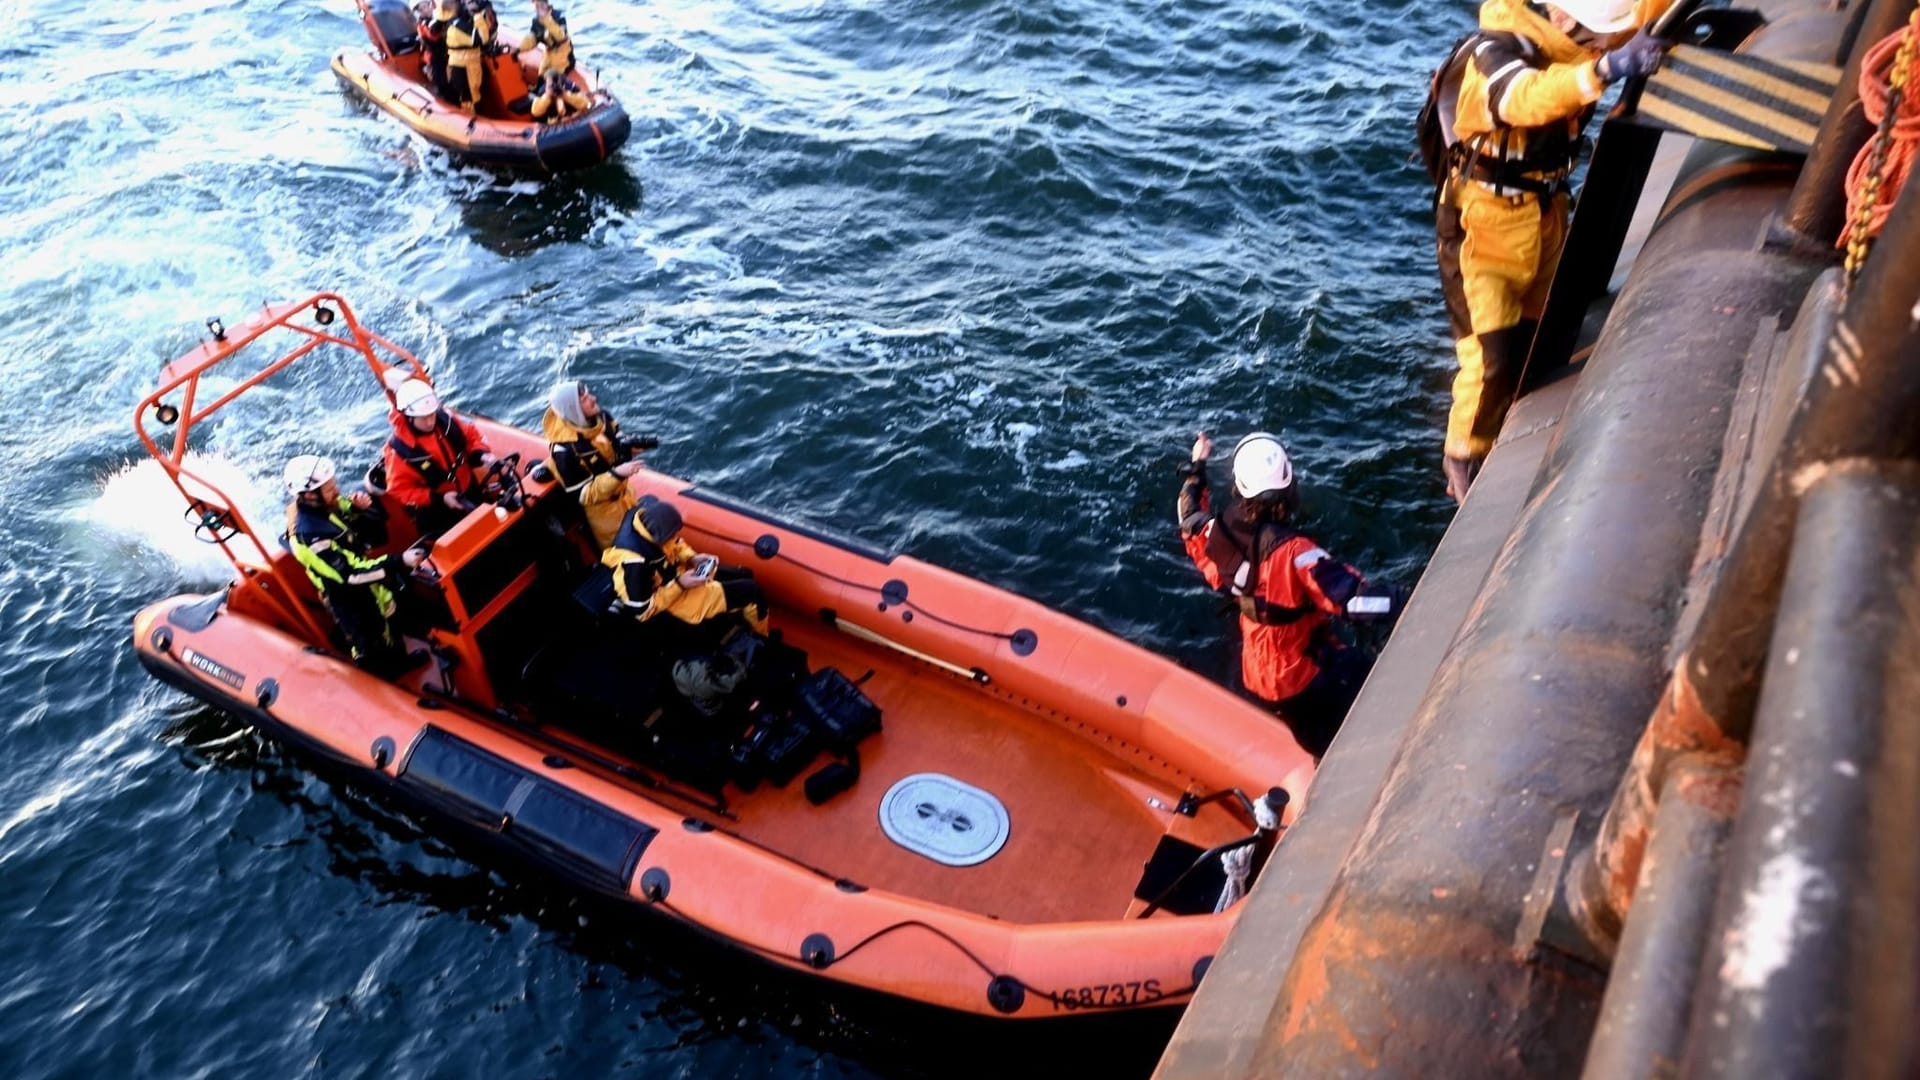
[[1525, 95], [558, 106], [582, 460], [486, 22], [433, 35], [463, 40], [333, 552], [578, 454]]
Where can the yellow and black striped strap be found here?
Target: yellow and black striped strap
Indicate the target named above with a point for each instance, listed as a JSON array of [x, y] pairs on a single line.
[[1744, 100]]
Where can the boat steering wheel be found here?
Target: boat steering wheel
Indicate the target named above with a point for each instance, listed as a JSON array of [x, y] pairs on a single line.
[[500, 482]]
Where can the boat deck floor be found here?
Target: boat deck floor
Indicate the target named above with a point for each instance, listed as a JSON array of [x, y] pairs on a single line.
[[1081, 821]]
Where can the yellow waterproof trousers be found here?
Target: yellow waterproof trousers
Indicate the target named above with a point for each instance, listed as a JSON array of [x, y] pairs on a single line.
[[464, 72], [1497, 255]]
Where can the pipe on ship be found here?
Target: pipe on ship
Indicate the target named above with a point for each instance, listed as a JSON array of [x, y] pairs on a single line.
[[1643, 1017], [1809, 969], [1805, 647], [1414, 962]]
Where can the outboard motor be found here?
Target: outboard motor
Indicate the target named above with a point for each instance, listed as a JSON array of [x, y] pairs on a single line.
[[391, 26]]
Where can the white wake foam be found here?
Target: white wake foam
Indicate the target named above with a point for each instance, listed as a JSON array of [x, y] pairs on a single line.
[[139, 508]]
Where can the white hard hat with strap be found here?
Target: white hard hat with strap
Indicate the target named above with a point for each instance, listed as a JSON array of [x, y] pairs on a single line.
[[305, 473], [1599, 16], [1260, 465], [415, 398]]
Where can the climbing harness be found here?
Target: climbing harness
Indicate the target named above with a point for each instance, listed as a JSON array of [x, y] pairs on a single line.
[[1487, 158]]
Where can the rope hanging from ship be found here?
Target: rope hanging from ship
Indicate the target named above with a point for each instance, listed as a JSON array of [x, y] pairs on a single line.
[[1891, 101]]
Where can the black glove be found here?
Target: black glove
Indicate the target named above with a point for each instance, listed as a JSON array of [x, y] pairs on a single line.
[[1638, 58], [397, 574]]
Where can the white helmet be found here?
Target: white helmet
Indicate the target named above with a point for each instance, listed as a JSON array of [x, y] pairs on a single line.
[[415, 398], [1599, 16], [307, 472], [1260, 465]]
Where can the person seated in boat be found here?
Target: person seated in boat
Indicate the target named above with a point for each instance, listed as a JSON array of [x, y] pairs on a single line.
[[557, 99], [332, 536], [1287, 588], [433, 460], [655, 572], [465, 71], [433, 40], [590, 459], [550, 33]]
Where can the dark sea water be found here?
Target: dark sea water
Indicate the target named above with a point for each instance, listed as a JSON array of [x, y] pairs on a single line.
[[959, 278]]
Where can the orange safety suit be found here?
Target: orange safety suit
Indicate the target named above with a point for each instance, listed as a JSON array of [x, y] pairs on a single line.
[[423, 469]]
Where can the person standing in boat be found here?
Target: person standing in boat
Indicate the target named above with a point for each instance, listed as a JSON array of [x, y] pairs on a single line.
[[433, 459], [550, 32], [590, 459], [433, 36], [655, 572], [331, 535], [1527, 88], [465, 69], [1287, 588]]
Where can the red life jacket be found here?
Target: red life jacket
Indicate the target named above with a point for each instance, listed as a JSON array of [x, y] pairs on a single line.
[[1266, 568], [421, 468]]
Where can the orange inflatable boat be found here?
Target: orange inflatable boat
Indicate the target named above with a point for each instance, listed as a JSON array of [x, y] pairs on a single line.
[[393, 77], [954, 796]]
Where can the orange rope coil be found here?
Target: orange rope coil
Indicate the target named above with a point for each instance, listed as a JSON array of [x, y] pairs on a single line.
[[1881, 167]]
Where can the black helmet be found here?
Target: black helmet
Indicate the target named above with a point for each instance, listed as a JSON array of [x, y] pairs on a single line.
[[660, 519]]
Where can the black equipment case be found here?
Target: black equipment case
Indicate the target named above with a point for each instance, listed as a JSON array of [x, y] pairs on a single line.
[[835, 707]]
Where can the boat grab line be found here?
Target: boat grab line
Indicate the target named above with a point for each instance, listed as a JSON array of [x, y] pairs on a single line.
[[823, 962], [1022, 640]]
